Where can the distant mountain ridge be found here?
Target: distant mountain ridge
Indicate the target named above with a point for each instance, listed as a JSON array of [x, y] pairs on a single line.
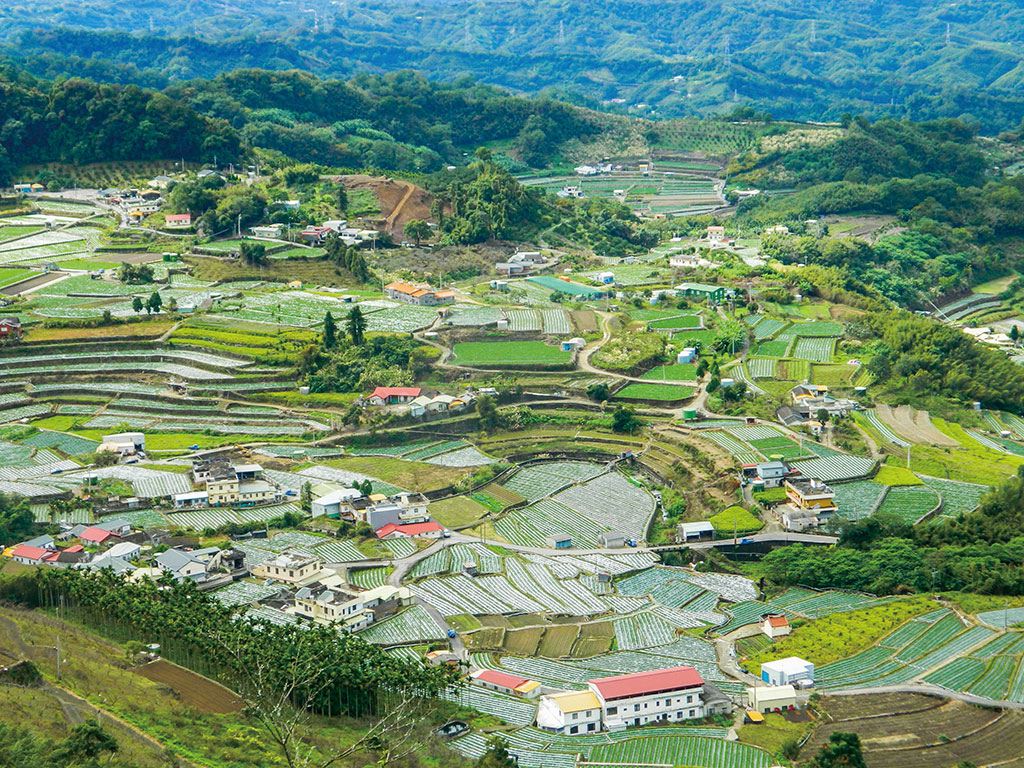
[[798, 59]]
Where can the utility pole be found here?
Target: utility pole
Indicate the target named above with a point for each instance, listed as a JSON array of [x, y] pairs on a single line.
[[727, 52], [58, 658], [814, 31], [947, 33]]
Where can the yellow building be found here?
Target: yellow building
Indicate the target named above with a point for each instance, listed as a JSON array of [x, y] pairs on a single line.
[[810, 494]]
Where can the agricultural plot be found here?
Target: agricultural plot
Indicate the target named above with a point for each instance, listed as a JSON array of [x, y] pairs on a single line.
[[243, 593], [682, 750], [727, 441], [817, 349], [816, 328], [400, 319], [645, 630], [832, 468], [338, 552], [768, 327], [882, 429], [462, 457], [761, 367], [475, 317], [410, 626], [555, 322], [781, 447], [957, 497], [858, 499], [660, 392], [474, 746], [675, 372], [909, 502], [613, 502], [531, 526], [676, 323], [13, 455], [401, 547], [510, 354], [772, 349], [523, 320], [369, 578], [818, 604], [748, 612]]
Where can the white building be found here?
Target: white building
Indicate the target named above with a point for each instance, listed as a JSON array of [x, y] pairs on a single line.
[[288, 568], [354, 611], [669, 695], [776, 626], [570, 712], [774, 698], [788, 671], [331, 504], [123, 443], [126, 550]]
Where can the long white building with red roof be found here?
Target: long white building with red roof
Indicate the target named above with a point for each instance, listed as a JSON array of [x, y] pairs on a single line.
[[668, 695]]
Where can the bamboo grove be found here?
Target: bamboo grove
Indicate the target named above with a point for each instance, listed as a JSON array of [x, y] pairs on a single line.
[[322, 670]]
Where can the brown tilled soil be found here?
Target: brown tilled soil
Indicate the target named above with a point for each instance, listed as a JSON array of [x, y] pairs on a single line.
[[195, 690], [390, 194]]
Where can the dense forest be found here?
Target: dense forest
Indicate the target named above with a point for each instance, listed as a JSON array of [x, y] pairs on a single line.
[[399, 122], [800, 60]]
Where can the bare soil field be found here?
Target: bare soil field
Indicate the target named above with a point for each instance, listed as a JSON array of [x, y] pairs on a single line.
[[194, 690], [399, 201], [900, 734], [915, 426]]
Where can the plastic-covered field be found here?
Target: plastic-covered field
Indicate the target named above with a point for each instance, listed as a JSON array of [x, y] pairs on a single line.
[[858, 499], [838, 467], [957, 497], [410, 626], [817, 349], [909, 503]]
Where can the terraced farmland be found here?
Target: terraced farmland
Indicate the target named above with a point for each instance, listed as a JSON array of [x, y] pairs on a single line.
[[504, 354], [909, 503], [410, 626], [817, 349]]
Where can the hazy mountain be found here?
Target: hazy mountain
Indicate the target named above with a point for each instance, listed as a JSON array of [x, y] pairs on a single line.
[[807, 59]]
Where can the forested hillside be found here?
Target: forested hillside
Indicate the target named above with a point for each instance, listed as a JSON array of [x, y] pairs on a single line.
[[395, 122], [799, 60]]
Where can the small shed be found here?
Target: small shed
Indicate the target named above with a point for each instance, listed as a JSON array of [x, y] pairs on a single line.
[[688, 355], [560, 541], [702, 531], [776, 625], [612, 539]]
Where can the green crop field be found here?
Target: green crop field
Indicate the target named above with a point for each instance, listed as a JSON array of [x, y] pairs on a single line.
[[666, 392], [674, 323], [677, 372], [510, 353]]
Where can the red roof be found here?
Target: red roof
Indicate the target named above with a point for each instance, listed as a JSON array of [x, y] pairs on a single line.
[[178, 217], [29, 553], [92, 533], [410, 529], [386, 392], [647, 683], [75, 548], [778, 621], [494, 677]]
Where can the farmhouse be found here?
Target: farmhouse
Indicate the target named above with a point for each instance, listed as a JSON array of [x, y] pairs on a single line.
[[422, 296], [123, 443], [770, 474], [182, 565], [776, 626], [27, 555], [10, 328], [272, 231], [95, 535], [178, 220], [354, 610], [289, 568], [191, 500], [775, 698], [126, 550], [335, 503], [570, 712], [502, 682], [392, 395], [709, 293], [788, 671], [715, 234], [811, 494], [671, 695]]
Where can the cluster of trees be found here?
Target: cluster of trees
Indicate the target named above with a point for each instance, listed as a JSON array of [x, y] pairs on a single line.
[[349, 257], [79, 121], [375, 361], [16, 519], [136, 274], [923, 357], [84, 745]]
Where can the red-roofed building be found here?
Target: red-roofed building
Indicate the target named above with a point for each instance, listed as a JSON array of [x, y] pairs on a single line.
[[502, 682], [775, 626], [178, 220], [94, 535], [391, 395], [27, 555], [670, 695], [427, 530]]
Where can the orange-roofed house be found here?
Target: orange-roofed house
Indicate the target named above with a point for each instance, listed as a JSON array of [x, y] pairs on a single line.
[[776, 626], [420, 295], [178, 220]]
